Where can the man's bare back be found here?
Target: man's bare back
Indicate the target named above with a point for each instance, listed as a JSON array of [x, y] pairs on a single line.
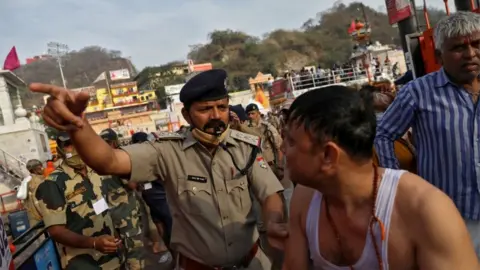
[[426, 231]]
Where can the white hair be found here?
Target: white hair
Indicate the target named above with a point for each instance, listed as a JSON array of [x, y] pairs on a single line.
[[461, 23]]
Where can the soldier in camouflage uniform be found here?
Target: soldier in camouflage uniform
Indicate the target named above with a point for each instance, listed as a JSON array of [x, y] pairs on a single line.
[[35, 167], [74, 210], [125, 211]]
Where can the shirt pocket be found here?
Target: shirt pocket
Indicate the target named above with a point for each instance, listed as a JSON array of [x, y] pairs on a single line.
[[195, 198], [239, 195]]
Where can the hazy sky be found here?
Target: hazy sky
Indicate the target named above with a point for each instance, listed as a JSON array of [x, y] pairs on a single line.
[[151, 32]]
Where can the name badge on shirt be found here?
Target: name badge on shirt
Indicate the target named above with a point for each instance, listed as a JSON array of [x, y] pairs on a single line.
[[147, 186], [100, 206], [198, 179]]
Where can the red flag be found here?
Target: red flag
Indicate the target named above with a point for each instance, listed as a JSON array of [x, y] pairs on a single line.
[[12, 62], [352, 27]]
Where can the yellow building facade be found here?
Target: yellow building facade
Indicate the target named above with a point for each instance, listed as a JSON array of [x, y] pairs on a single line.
[[117, 95]]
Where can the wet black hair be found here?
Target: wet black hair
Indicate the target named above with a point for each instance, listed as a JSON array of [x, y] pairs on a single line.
[[339, 114]]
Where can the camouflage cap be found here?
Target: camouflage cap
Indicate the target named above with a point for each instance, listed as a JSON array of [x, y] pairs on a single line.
[[33, 163]]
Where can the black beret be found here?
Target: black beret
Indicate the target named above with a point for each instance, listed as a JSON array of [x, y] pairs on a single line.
[[238, 109], [251, 107], [139, 137], [206, 86], [109, 135]]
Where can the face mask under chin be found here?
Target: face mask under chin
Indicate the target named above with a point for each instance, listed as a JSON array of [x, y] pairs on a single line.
[[74, 161], [207, 138]]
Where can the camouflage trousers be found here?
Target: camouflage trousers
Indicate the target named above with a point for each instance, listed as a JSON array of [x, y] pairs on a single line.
[[133, 253]]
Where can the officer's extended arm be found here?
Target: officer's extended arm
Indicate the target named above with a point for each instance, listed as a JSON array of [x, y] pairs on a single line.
[[97, 154]]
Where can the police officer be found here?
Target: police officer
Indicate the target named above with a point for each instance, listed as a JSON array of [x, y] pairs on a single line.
[[125, 212], [270, 137], [74, 210], [208, 173], [35, 167]]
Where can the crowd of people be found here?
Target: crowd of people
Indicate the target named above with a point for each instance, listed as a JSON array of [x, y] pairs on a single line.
[[338, 179], [311, 77]]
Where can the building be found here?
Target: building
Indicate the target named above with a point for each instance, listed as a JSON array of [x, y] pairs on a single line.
[[21, 139], [124, 108]]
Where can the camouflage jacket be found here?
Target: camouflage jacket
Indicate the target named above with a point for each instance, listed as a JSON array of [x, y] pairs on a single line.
[[124, 206], [66, 198], [31, 203]]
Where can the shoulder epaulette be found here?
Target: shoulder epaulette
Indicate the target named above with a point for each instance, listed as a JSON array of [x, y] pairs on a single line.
[[247, 138], [162, 135]]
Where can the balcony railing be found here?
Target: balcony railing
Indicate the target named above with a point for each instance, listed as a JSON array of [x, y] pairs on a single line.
[[124, 94], [309, 80]]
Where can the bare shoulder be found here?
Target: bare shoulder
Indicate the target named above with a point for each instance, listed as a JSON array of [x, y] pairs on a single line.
[[301, 198], [425, 206], [434, 225], [415, 194]]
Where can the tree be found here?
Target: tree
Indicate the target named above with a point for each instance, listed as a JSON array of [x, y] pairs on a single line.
[[322, 40], [80, 69]]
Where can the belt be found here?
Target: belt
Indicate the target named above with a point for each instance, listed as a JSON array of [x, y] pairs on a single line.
[[189, 264]]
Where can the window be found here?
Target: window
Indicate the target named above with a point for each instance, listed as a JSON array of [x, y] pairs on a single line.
[[12, 93], [43, 140]]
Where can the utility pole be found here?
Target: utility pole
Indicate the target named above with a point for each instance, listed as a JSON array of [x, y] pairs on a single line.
[[58, 50]]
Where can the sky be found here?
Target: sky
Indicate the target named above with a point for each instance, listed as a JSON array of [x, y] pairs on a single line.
[[150, 32]]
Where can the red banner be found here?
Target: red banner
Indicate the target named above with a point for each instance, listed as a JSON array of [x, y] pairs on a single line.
[[398, 10], [278, 88]]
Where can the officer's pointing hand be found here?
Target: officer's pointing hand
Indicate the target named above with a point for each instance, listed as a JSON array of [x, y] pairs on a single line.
[[64, 107]]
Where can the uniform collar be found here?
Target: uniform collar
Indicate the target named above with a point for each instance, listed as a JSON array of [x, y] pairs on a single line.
[[441, 79], [72, 173], [190, 140]]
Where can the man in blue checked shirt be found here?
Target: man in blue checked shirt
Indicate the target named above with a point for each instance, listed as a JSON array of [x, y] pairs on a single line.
[[442, 108]]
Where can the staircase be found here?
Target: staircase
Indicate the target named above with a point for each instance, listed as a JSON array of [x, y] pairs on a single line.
[[12, 169]]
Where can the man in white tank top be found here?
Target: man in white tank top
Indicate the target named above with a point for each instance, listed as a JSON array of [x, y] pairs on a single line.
[[348, 214]]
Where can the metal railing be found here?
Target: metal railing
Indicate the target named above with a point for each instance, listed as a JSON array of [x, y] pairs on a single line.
[[9, 202], [12, 165], [315, 79]]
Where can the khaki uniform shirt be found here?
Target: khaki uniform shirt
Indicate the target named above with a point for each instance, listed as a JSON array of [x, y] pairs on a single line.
[[31, 203], [269, 135], [66, 198], [209, 199]]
